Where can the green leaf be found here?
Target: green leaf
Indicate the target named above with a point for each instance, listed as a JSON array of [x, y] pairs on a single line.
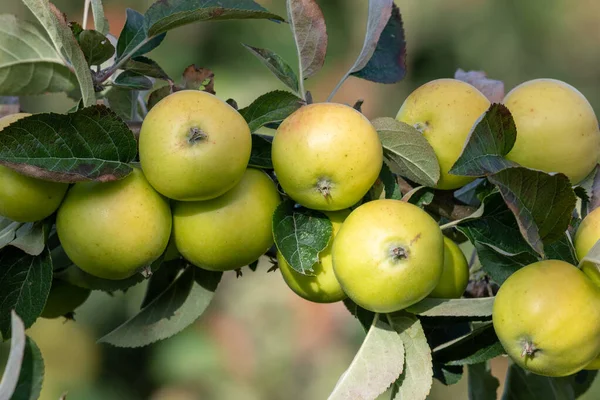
[[78, 277], [482, 384], [24, 283], [100, 21], [417, 378], [420, 196], [65, 43], [407, 151], [524, 385], [447, 374], [133, 35], [178, 306], [561, 249], [478, 346], [123, 102], [375, 367], [388, 62], [541, 203], [310, 35], [260, 157], [132, 81], [365, 317], [162, 279], [8, 231], [30, 238], [430, 307], [492, 137], [390, 184], [145, 66], [10, 377], [31, 374], [253, 266], [166, 15], [500, 265], [28, 63], [96, 47], [159, 94], [271, 107], [276, 65], [89, 144], [300, 235]]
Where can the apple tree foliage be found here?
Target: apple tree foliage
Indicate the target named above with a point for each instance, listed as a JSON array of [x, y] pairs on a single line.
[[512, 215]]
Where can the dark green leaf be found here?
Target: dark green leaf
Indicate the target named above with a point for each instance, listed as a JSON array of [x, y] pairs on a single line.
[[392, 190], [96, 47], [388, 62], [500, 265], [24, 283], [132, 81], [161, 279], [158, 94], [561, 249], [447, 374], [276, 65], [524, 385], [178, 306], [133, 34], [253, 266], [260, 157], [420, 196], [482, 384], [582, 381], [365, 317], [542, 203], [300, 235], [90, 144], [123, 102], [478, 346], [310, 34], [31, 374], [407, 151], [145, 66], [33, 68], [270, 107], [166, 15], [491, 138]]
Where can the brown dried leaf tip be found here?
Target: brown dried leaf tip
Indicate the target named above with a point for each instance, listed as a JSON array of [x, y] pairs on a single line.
[[197, 78]]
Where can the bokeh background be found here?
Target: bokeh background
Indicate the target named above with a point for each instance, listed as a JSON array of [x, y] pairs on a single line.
[[258, 340]]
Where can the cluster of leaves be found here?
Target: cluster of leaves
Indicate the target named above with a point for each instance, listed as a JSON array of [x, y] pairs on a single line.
[[512, 215]]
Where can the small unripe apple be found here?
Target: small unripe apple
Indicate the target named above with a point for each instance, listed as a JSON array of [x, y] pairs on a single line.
[[455, 274], [63, 299]]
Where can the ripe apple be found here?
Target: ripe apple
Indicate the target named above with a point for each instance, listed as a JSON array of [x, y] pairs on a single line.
[[327, 156], [230, 231], [445, 111], [388, 255], [112, 230], [586, 237], [194, 146], [323, 286], [547, 318], [455, 273], [63, 299], [23, 198], [557, 129]]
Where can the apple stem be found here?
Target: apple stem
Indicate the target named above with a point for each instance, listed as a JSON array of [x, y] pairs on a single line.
[[529, 349], [196, 135]]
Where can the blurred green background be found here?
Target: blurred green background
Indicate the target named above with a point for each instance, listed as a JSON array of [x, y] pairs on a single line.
[[258, 340]]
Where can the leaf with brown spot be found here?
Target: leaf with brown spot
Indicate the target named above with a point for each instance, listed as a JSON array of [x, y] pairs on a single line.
[[90, 144], [310, 33], [196, 78]]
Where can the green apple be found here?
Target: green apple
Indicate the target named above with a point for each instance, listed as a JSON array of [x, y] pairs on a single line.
[[327, 156], [586, 237], [455, 274], [445, 111], [63, 299], [388, 255], [112, 230], [194, 146], [323, 286], [557, 129], [230, 231], [23, 198], [547, 318]]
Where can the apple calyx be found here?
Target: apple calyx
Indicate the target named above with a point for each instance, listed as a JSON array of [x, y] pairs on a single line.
[[421, 126], [196, 135], [529, 349], [324, 187], [398, 253]]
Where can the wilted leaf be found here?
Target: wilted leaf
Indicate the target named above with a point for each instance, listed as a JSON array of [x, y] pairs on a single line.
[[260, 157], [133, 35], [196, 78], [276, 65], [300, 235], [28, 63], [388, 62], [430, 307], [90, 144], [166, 15], [310, 33], [178, 306], [482, 384], [491, 88], [65, 43], [24, 283], [542, 203], [132, 81], [270, 107], [491, 138], [375, 367], [407, 152], [146, 66], [96, 47]]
